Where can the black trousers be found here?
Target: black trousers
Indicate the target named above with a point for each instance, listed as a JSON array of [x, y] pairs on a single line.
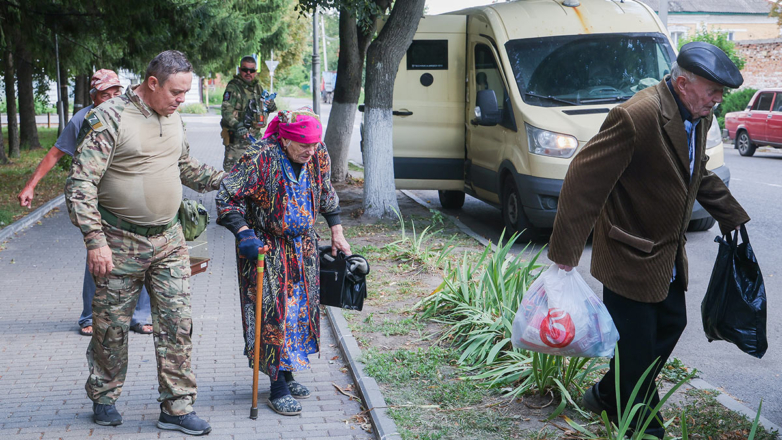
[[648, 332]]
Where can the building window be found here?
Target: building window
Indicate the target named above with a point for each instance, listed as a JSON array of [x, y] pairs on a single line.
[[676, 37], [730, 36]]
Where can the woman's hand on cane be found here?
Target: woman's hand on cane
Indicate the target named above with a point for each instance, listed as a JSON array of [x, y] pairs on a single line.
[[249, 244]]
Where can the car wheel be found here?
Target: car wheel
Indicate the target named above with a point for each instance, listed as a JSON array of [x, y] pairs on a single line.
[[513, 212], [451, 199], [745, 145], [703, 224]]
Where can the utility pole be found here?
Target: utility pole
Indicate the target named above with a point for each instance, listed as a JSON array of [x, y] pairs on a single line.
[[61, 115], [315, 65], [663, 13], [323, 37], [271, 64]]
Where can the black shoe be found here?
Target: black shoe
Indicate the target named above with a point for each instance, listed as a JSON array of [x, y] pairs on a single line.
[[106, 415], [595, 404], [189, 423]]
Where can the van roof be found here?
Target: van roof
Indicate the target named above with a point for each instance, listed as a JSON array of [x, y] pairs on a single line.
[[543, 18]]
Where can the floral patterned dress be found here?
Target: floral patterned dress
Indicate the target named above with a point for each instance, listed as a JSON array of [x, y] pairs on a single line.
[[281, 208]]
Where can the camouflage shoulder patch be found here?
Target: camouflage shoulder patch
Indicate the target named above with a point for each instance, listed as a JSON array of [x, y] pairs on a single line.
[[226, 96], [94, 121]]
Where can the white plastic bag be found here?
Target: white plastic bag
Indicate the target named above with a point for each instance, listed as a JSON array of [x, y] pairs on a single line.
[[561, 315]]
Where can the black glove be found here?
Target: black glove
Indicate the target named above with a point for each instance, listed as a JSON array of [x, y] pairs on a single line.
[[241, 132], [271, 107], [248, 244]]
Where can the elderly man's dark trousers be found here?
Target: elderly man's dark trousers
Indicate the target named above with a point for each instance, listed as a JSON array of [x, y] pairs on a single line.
[[648, 332]]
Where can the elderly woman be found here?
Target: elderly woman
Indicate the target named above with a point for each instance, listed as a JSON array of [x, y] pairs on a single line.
[[272, 198]]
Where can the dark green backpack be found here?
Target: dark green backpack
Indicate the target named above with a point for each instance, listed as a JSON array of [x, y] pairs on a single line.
[[194, 218]]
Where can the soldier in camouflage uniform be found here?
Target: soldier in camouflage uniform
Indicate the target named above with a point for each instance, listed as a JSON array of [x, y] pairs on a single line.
[[243, 112], [124, 193]]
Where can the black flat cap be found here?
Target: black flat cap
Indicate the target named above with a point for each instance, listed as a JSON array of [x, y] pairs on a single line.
[[710, 62]]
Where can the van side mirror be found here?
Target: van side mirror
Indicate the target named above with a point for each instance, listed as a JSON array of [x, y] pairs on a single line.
[[490, 114]]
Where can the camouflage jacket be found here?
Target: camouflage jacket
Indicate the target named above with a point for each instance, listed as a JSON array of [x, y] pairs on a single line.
[[93, 158], [242, 105]]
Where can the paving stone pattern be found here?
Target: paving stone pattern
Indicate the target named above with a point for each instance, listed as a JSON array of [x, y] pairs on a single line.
[[42, 357]]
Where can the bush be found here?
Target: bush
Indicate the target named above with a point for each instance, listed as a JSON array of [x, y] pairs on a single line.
[[718, 38], [216, 96], [194, 108], [733, 102]]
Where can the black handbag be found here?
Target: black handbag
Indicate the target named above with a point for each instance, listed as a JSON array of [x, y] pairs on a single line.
[[734, 308], [343, 280]]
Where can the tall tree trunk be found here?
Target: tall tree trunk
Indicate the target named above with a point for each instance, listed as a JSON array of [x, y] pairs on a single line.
[[28, 130], [64, 93], [3, 157], [87, 97], [383, 58], [10, 99], [79, 83], [353, 44]]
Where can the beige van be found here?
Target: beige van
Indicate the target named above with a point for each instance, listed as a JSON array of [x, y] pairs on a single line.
[[495, 101]]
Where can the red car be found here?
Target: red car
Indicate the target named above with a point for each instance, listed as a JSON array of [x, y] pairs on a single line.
[[760, 124]]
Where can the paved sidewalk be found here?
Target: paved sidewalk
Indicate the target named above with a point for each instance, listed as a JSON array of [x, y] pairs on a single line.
[[42, 357]]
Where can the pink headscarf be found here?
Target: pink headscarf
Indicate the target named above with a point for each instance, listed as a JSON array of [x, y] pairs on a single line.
[[300, 125]]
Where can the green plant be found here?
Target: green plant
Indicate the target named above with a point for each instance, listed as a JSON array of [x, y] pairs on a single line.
[[701, 416], [437, 217], [635, 414], [674, 370], [216, 96], [718, 38], [193, 108], [734, 101], [417, 248], [477, 306]]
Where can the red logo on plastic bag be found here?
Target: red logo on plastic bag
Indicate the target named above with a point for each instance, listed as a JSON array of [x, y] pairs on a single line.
[[557, 329]]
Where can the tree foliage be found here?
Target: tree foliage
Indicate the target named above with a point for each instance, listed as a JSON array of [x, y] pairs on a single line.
[[719, 39]]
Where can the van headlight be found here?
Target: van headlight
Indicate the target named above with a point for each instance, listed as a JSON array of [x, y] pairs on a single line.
[[714, 137], [548, 143]]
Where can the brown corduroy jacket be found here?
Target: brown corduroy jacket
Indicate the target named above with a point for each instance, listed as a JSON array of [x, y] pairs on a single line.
[[631, 183]]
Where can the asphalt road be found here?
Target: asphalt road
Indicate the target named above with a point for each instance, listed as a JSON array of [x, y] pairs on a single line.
[[757, 183]]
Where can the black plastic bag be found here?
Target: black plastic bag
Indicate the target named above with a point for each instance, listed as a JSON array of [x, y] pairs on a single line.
[[343, 281], [734, 308]]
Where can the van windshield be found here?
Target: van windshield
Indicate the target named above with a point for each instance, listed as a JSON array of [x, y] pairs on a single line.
[[588, 69]]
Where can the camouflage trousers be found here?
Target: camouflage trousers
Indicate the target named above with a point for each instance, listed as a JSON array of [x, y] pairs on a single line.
[[160, 262], [235, 151]]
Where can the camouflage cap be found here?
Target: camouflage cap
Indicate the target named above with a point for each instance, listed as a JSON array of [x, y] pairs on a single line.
[[104, 79]]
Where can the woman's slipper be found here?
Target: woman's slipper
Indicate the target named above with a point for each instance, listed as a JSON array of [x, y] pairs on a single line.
[[86, 330], [298, 391], [144, 329], [285, 405]]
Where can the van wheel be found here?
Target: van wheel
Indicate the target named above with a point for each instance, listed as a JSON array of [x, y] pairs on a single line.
[[745, 145], [513, 212], [703, 224], [451, 199]]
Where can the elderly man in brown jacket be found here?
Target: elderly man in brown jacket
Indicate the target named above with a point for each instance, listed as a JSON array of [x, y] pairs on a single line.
[[635, 183]]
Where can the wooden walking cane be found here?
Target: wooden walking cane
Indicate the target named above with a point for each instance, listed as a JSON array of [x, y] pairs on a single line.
[[257, 343]]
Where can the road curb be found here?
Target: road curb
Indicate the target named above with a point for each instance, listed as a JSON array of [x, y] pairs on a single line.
[[723, 398], [30, 219], [732, 404], [384, 426]]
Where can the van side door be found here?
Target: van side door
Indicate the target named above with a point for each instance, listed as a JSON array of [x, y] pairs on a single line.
[[429, 100], [485, 143]]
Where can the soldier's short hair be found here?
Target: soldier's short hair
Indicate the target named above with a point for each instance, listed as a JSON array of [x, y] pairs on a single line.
[[166, 64], [247, 59]]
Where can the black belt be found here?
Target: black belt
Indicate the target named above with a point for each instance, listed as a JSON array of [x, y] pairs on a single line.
[[146, 231]]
